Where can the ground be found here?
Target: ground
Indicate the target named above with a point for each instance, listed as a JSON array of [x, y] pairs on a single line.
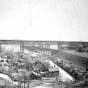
[[46, 83]]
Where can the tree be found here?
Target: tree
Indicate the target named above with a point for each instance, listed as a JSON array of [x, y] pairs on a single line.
[[46, 64], [28, 65], [23, 74], [28, 77]]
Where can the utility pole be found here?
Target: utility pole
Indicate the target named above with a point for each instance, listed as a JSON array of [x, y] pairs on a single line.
[[21, 46]]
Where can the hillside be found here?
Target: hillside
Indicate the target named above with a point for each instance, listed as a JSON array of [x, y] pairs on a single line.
[[72, 59]]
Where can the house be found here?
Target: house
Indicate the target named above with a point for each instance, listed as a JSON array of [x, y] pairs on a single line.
[[62, 75]]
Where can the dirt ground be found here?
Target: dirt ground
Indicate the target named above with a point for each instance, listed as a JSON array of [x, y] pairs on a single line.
[[46, 83]]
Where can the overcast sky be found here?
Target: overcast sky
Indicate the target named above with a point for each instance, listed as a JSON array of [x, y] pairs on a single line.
[[65, 20]]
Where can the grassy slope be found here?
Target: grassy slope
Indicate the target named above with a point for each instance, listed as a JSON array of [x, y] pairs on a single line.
[[74, 59]]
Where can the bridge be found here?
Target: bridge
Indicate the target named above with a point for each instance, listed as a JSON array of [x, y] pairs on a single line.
[[42, 44]]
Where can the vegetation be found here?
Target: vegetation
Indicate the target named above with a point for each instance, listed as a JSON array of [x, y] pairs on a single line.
[[19, 66]]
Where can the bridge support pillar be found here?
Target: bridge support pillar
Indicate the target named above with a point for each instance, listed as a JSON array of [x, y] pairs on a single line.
[[21, 47]]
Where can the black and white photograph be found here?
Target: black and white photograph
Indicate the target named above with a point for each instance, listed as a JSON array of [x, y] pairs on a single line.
[[43, 44]]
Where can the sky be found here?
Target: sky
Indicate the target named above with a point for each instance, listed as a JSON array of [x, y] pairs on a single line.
[[58, 20]]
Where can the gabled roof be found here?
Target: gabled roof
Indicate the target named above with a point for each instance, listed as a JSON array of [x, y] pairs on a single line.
[[53, 69]]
